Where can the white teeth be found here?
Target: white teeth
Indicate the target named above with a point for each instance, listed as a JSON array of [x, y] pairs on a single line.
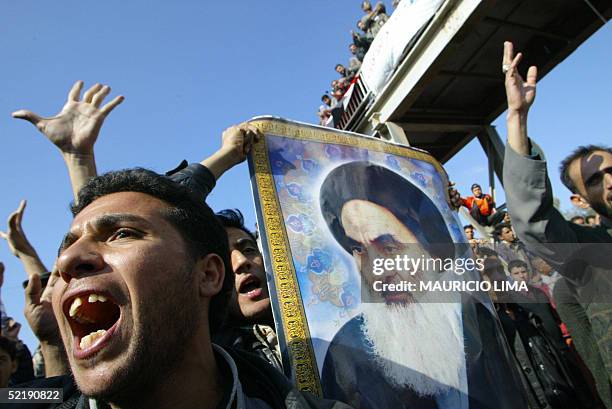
[[88, 340], [76, 303], [96, 297]]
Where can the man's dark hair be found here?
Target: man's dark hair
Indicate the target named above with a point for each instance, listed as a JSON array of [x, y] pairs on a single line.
[[579, 153], [234, 218], [517, 263], [590, 217], [338, 65], [191, 216], [475, 185], [468, 226], [9, 347], [573, 219], [366, 181], [499, 227]]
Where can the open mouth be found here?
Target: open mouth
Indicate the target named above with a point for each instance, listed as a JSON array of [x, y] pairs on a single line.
[[251, 287], [91, 317]]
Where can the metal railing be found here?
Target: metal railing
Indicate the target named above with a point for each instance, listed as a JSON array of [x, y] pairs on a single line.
[[358, 100]]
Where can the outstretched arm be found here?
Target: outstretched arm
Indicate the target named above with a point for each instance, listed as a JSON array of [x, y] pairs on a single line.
[[19, 244], [201, 177], [236, 143], [75, 128], [520, 95]]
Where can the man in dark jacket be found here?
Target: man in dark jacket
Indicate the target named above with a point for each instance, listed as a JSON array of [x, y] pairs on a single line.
[[581, 254]]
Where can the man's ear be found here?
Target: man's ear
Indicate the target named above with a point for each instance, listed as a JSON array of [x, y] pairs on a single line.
[[210, 271], [579, 201]]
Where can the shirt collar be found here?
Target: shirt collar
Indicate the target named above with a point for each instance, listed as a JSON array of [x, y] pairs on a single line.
[[234, 400]]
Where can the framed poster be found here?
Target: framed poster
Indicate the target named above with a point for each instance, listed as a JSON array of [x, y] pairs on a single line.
[[338, 214]]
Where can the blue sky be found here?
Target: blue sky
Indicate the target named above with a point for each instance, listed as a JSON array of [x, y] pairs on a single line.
[[190, 69]]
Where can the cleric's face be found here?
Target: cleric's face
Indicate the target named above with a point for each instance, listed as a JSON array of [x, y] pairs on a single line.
[[379, 234]]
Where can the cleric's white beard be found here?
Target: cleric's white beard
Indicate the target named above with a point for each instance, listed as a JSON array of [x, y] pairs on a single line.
[[417, 345]]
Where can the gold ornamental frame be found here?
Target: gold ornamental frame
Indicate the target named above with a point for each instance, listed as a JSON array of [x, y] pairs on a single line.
[[290, 315]]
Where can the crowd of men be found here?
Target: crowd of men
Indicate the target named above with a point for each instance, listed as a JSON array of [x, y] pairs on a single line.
[[368, 27], [157, 301]]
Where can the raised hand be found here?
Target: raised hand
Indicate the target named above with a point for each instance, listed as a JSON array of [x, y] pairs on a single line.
[[15, 237], [38, 310], [75, 128], [520, 93], [19, 244], [237, 141]]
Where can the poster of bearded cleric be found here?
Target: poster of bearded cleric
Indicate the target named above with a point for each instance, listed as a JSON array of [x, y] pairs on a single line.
[[338, 214]]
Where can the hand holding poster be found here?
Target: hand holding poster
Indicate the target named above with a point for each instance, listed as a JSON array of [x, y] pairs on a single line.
[[340, 217]]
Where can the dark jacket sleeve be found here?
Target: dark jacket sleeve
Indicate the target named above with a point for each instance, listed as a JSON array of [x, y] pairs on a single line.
[[194, 176]]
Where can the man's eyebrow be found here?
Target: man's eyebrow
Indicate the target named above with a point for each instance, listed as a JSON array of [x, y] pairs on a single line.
[[111, 220], [385, 238], [245, 241], [104, 222]]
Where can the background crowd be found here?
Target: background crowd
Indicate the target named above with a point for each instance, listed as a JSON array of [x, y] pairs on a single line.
[[367, 27]]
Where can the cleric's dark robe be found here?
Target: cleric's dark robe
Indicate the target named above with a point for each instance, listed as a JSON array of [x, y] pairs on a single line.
[[350, 373]]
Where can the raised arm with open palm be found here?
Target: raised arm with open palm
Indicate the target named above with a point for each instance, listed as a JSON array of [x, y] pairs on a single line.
[[74, 130], [520, 95]]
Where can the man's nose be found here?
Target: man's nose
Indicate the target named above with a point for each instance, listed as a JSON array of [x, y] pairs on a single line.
[[81, 258], [240, 263]]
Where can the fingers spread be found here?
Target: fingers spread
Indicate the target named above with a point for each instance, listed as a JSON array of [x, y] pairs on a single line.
[[22, 206], [20, 210], [27, 115], [90, 92], [508, 53], [75, 91], [100, 95], [106, 109], [532, 75], [516, 61]]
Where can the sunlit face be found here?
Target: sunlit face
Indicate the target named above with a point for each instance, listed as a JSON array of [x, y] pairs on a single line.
[[592, 176], [507, 234], [477, 191], [519, 274], [379, 234], [126, 275], [252, 294], [469, 232]]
